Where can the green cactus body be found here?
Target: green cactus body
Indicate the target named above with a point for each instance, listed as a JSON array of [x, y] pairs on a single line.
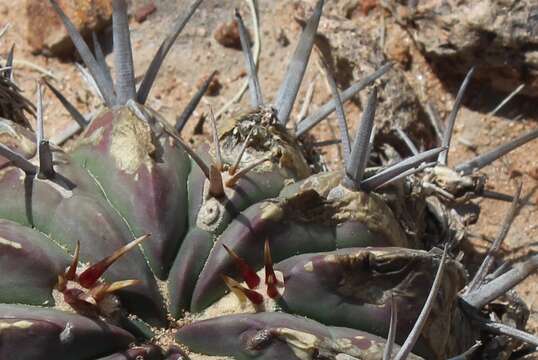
[[118, 160], [143, 174]]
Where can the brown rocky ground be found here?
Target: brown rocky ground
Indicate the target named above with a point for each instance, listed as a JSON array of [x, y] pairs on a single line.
[[196, 54]]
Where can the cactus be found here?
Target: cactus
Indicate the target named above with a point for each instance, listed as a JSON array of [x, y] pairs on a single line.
[[133, 245]]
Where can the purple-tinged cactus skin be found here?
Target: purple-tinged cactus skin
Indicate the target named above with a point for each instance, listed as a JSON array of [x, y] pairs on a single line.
[[278, 336], [33, 263], [34, 333], [354, 285], [313, 219], [131, 160], [132, 245]]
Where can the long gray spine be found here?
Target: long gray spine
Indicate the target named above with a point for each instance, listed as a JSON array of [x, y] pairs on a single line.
[[411, 340], [18, 160], [255, 90], [342, 123], [39, 116], [9, 63], [447, 136], [499, 286], [480, 161], [46, 166], [123, 56], [361, 145], [181, 120], [407, 140], [391, 338], [100, 57], [325, 110], [395, 170], [296, 69], [71, 109], [106, 88], [487, 263], [166, 45]]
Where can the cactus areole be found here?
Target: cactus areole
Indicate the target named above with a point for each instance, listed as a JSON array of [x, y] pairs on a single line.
[[132, 245]]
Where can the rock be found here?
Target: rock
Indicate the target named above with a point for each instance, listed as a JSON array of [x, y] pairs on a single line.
[[227, 34], [142, 12], [282, 39], [397, 49], [367, 5], [533, 173], [214, 86], [499, 37], [45, 32]]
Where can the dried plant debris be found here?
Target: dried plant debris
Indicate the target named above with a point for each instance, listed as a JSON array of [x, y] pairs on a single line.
[[14, 106]]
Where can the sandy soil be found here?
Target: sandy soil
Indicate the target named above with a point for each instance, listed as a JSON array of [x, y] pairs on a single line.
[[196, 54]]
